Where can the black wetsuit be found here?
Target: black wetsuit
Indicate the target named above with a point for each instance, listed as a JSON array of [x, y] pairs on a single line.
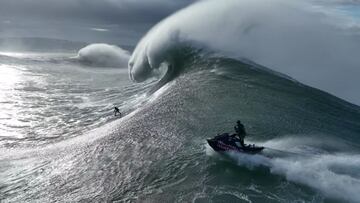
[[117, 111], [240, 130]]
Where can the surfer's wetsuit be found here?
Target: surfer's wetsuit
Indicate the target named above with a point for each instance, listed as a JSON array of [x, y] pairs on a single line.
[[240, 130], [117, 111]]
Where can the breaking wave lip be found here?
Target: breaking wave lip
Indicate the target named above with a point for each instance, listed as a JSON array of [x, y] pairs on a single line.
[[310, 45], [103, 55]]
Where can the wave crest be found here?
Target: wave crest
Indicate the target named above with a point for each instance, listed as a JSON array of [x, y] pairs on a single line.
[[300, 40], [103, 55]]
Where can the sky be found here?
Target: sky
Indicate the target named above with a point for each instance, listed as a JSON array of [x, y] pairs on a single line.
[[110, 21]]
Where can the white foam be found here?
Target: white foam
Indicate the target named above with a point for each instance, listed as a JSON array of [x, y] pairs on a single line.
[[335, 175], [312, 44], [104, 55]]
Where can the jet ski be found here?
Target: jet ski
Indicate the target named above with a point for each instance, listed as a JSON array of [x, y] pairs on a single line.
[[226, 142]]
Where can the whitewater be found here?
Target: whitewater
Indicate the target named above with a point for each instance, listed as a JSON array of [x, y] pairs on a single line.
[[316, 47], [288, 70]]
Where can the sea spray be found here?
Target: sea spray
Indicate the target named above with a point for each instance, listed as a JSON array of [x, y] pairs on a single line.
[[335, 175], [294, 38]]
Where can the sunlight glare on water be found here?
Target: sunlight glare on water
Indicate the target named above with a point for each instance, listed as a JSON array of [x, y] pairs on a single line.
[[9, 120]]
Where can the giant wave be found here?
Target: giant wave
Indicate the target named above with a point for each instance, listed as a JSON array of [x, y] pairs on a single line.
[[158, 149], [305, 42]]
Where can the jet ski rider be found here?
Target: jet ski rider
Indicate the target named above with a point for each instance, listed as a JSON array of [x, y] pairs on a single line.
[[240, 131]]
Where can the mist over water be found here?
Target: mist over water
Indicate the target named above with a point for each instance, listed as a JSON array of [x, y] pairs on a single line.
[[306, 42]]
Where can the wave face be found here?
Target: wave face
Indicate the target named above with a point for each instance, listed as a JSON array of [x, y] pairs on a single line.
[[310, 137], [312, 44], [157, 152], [80, 153], [103, 55]]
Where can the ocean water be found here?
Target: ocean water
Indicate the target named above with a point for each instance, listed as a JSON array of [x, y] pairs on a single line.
[[49, 97], [60, 142]]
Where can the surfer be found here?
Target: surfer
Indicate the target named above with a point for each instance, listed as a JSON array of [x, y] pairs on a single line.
[[117, 111], [240, 131]]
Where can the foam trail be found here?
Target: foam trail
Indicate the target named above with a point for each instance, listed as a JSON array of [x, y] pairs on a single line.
[[103, 55], [336, 176], [313, 44]]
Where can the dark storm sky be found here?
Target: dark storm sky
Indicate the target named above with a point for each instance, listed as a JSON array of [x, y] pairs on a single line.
[[112, 21]]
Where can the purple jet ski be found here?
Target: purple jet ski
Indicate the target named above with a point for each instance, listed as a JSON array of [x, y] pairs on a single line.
[[226, 142]]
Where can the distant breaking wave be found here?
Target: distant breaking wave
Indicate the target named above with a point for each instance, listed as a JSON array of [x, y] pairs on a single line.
[[306, 42], [104, 55]]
